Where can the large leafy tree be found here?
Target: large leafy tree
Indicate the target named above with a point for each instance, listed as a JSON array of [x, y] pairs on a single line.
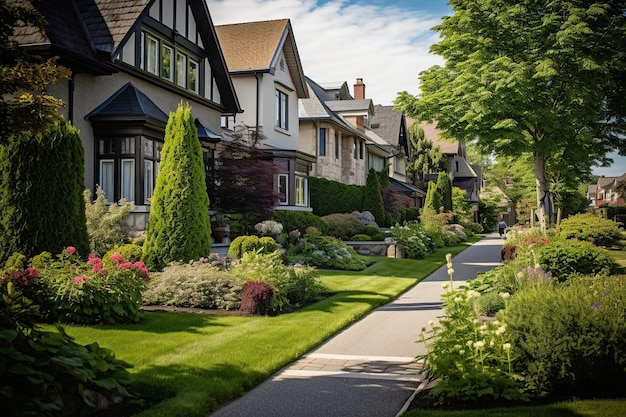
[[424, 158], [24, 103], [526, 76], [179, 228]]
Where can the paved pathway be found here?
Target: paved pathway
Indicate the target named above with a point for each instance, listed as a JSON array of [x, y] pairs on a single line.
[[368, 369]]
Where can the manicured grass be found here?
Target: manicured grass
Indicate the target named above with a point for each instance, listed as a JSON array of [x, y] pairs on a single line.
[[619, 257], [193, 363], [590, 408]]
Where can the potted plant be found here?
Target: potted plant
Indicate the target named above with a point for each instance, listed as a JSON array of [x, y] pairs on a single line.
[[218, 227]]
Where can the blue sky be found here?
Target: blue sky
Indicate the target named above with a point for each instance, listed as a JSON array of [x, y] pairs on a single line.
[[385, 42]]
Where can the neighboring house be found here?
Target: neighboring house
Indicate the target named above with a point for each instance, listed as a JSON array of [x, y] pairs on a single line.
[[591, 195], [339, 146], [263, 61], [388, 128], [605, 193], [464, 175], [132, 63]]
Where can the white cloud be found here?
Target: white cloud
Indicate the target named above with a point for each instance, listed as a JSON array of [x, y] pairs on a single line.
[[337, 41]]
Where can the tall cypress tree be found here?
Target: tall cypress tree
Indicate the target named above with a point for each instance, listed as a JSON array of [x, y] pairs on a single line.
[[444, 186], [42, 178], [372, 200], [179, 228], [433, 198]]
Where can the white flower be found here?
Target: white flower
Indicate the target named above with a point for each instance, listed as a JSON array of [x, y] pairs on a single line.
[[469, 343], [457, 347], [501, 330], [431, 323], [449, 257], [445, 285], [479, 345], [450, 271], [458, 299], [472, 293], [504, 295], [506, 346], [462, 351], [483, 327]]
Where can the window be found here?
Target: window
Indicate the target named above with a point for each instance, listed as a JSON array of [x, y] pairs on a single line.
[[152, 52], [127, 176], [224, 122], [361, 149], [354, 148], [280, 104], [192, 76], [283, 191], [301, 191], [107, 178], [322, 140], [148, 180], [336, 145], [167, 64], [181, 73]]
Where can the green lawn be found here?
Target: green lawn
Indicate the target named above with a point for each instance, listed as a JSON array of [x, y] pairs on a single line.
[[196, 362], [619, 257]]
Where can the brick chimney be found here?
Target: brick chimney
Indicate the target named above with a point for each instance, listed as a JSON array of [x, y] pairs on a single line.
[[359, 89]]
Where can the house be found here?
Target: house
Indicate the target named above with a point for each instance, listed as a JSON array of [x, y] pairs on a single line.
[[464, 175], [326, 131], [388, 127], [605, 193], [263, 62], [591, 195], [133, 62]]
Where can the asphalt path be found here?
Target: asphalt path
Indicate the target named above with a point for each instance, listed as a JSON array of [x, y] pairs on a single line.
[[369, 368]]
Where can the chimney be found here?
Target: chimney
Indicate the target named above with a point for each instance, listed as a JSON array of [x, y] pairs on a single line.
[[359, 89]]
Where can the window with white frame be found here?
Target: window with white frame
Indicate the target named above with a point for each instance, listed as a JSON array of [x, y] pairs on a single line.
[[192, 75], [151, 54], [281, 109], [283, 189], [167, 62], [148, 180], [127, 179], [181, 72], [301, 191], [107, 178]]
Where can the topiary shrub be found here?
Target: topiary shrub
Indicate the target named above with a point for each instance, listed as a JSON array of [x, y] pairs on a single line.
[[591, 228], [179, 227], [343, 225], [256, 297], [244, 244], [298, 220], [361, 237], [566, 258], [328, 196]]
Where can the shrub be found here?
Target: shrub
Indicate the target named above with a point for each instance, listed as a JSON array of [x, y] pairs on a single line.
[[94, 291], [104, 221], [371, 230], [409, 214], [444, 188], [256, 297], [328, 196], [372, 199], [130, 252], [179, 228], [414, 240], [298, 220], [487, 304], [566, 258], [243, 244], [46, 373], [591, 228], [41, 185], [343, 225], [200, 284], [361, 237], [572, 341]]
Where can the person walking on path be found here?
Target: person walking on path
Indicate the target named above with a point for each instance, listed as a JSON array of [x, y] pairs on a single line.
[[502, 228], [369, 368]]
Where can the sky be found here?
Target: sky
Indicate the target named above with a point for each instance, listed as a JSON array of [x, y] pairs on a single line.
[[385, 42]]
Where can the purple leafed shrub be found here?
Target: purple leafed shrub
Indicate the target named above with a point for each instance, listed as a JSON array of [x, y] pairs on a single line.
[[256, 297]]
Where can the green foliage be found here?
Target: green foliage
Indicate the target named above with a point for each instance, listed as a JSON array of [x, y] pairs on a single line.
[[444, 188], [591, 228], [299, 220], [130, 252], [409, 214], [361, 237], [461, 205], [573, 340], [412, 237], [323, 251], [328, 196], [342, 225], [424, 158], [179, 228], [372, 200], [433, 198], [96, 291], [564, 259], [46, 373], [489, 213], [200, 284], [104, 221], [243, 244], [41, 184]]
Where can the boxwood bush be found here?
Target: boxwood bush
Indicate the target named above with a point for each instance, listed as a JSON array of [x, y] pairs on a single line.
[[298, 220], [564, 258], [591, 228], [343, 225]]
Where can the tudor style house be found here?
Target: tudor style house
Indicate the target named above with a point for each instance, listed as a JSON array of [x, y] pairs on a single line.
[[133, 62], [263, 61]]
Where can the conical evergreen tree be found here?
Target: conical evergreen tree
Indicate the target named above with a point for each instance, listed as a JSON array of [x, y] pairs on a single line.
[[433, 198], [42, 179], [179, 227], [372, 200], [444, 186]]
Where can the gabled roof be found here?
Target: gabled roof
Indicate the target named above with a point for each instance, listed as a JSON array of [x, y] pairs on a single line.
[[390, 124], [128, 103], [465, 170], [365, 106], [253, 47], [335, 90], [432, 133]]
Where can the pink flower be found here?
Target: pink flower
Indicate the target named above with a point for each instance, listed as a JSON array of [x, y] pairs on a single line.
[[94, 261], [80, 279], [125, 265], [117, 258], [70, 250]]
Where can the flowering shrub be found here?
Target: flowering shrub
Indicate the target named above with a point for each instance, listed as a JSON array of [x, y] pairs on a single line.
[[96, 291], [323, 251], [415, 241], [200, 284], [269, 227]]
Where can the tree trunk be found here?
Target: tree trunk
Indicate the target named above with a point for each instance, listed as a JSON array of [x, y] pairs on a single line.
[[542, 189]]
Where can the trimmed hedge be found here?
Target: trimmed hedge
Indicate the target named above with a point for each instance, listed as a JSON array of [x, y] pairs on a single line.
[[592, 228], [329, 197], [299, 220], [566, 258]]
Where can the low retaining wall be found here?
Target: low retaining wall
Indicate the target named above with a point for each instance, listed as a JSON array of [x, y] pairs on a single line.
[[377, 248]]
